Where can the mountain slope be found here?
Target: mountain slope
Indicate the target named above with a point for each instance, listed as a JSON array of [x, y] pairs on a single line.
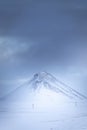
[[43, 102], [40, 81]]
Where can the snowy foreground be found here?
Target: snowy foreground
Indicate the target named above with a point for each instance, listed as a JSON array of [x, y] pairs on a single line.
[[32, 118], [43, 103]]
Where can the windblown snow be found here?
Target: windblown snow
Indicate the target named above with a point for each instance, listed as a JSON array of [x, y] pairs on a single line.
[[43, 103]]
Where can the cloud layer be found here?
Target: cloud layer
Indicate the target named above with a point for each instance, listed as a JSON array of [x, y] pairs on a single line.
[[38, 35]]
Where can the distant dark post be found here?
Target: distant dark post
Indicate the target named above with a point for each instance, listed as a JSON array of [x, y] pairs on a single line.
[[75, 103], [32, 106]]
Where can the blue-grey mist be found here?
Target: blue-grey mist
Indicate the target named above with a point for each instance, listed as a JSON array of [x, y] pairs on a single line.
[[43, 35]]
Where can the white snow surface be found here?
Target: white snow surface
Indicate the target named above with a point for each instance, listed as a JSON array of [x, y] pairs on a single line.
[[43, 103]]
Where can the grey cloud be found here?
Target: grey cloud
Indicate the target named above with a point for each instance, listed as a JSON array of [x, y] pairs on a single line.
[[37, 18], [51, 30], [9, 47]]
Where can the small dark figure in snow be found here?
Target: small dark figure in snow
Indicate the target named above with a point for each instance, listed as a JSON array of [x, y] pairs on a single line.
[[75, 103], [32, 106]]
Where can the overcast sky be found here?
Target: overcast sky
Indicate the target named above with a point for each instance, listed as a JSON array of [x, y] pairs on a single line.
[[37, 35]]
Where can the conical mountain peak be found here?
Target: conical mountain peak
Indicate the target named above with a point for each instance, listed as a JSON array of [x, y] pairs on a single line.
[[41, 76], [44, 80]]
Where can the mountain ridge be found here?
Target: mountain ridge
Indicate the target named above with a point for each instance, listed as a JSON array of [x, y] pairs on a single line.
[[46, 80]]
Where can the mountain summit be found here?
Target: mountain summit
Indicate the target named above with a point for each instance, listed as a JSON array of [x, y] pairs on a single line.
[[41, 81]]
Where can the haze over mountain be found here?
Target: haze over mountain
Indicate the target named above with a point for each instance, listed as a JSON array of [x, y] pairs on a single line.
[[43, 102], [45, 83], [37, 35]]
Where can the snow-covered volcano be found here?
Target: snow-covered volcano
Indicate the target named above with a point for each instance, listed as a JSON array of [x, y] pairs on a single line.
[[43, 102], [43, 83], [40, 82]]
